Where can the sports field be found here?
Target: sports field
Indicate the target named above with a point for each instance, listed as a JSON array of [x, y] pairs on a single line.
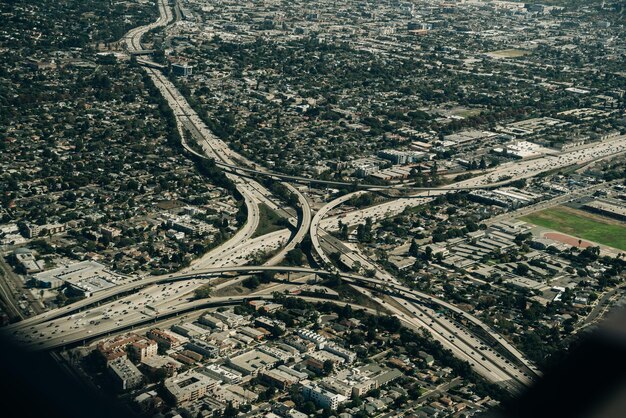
[[508, 53], [581, 224]]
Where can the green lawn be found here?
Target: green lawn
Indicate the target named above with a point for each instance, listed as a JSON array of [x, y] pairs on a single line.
[[581, 224], [269, 221], [508, 53]]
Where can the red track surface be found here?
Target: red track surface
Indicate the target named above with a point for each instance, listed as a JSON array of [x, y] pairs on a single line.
[[566, 239]]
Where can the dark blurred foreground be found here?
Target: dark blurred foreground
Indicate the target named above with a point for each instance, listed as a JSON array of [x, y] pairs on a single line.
[[35, 385], [591, 382]]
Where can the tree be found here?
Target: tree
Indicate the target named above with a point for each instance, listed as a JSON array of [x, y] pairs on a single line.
[[346, 312], [433, 169], [364, 231], [308, 408], [428, 254], [270, 392], [251, 282], [414, 249], [374, 393], [267, 276], [414, 392], [61, 299], [230, 411], [202, 292], [400, 401], [521, 269], [328, 367], [520, 184], [371, 334], [334, 280], [343, 230], [277, 331], [294, 257]]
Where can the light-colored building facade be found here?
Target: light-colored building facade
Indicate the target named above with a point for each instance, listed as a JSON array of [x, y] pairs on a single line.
[[189, 386], [322, 397]]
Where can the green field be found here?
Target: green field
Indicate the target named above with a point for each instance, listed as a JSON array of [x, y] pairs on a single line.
[[581, 224], [269, 221], [508, 53]]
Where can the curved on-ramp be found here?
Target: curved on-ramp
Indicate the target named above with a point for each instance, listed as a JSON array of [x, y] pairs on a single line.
[[398, 290]]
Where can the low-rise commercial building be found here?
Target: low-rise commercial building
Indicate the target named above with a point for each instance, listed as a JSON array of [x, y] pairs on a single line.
[[33, 230], [143, 349], [189, 386], [311, 336], [27, 262], [85, 277], [126, 375], [608, 207], [164, 338], [217, 372], [118, 347], [202, 347], [348, 355], [322, 397], [253, 362]]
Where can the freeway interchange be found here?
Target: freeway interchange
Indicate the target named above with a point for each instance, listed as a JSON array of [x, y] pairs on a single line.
[[68, 325], [146, 300]]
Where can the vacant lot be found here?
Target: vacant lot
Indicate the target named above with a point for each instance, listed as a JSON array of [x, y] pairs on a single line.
[[582, 225]]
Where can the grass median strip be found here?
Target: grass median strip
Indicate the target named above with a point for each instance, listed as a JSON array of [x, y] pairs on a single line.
[[269, 221]]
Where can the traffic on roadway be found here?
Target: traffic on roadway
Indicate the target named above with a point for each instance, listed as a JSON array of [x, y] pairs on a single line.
[[155, 298]]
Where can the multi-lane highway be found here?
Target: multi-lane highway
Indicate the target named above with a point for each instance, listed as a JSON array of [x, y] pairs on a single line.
[[511, 171], [415, 309], [80, 332], [323, 242], [252, 192], [6, 292], [133, 37], [143, 307], [463, 344], [515, 170], [191, 279], [383, 279]]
